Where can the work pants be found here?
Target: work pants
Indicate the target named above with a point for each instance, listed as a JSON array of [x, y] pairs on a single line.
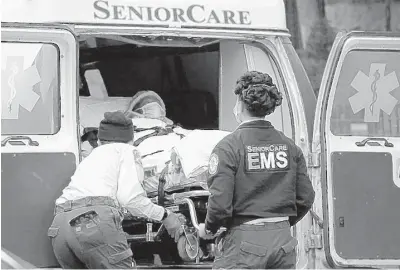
[[87, 233], [261, 246]]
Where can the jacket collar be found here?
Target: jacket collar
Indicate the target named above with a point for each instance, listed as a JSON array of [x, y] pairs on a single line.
[[255, 124]]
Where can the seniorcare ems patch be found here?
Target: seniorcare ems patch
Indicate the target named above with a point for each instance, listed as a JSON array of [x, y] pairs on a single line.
[[273, 157]]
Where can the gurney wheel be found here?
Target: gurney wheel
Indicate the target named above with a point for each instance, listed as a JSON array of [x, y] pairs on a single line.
[[188, 248]]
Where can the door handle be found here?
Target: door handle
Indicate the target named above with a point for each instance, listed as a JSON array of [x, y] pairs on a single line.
[[19, 138], [364, 142]]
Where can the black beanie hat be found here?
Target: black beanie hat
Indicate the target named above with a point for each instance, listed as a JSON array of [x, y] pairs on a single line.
[[115, 127]]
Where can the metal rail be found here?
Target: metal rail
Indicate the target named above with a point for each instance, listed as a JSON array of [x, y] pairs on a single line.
[[149, 236], [192, 213], [179, 198], [176, 197]]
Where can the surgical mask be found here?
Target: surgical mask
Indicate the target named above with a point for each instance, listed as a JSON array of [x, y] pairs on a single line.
[[236, 112], [152, 110]]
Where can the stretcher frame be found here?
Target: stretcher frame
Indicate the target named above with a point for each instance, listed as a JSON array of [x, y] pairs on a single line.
[[172, 201]]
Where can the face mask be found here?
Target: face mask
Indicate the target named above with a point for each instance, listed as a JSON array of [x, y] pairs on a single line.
[[236, 112], [152, 110]]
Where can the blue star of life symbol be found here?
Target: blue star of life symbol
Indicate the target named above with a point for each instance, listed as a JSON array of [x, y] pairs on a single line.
[[374, 92], [17, 87]]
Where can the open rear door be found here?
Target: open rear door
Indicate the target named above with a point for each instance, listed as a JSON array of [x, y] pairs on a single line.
[[39, 149], [238, 57], [357, 134]]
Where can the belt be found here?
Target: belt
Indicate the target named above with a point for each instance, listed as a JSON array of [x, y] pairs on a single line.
[[239, 220], [260, 221], [84, 202]]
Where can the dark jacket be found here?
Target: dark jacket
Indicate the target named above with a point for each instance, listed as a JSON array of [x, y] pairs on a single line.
[[257, 172]]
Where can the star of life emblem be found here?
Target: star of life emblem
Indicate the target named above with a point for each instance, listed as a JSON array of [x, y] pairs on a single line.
[[374, 92], [18, 86]]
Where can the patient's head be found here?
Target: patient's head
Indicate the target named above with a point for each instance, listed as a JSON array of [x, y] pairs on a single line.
[[148, 104]]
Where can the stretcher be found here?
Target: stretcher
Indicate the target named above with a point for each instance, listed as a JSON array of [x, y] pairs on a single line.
[[148, 237]]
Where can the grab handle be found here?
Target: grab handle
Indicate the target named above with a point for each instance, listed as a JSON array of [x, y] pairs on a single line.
[[364, 142], [19, 138]]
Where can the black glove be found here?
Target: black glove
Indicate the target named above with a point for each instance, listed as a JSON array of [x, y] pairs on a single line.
[[173, 224]]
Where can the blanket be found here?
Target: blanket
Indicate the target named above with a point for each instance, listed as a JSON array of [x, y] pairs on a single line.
[[186, 158]]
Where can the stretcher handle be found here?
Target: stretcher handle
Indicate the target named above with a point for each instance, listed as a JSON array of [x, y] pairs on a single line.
[[193, 216]]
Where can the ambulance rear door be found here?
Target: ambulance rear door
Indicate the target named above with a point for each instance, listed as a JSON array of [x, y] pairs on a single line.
[[39, 147], [356, 142]]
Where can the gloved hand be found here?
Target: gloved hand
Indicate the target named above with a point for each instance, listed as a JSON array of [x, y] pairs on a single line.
[[203, 233], [173, 224]]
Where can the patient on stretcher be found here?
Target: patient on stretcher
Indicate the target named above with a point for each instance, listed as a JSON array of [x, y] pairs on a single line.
[[162, 144]]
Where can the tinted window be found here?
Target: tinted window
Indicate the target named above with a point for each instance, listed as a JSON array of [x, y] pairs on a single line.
[[367, 96], [30, 96]]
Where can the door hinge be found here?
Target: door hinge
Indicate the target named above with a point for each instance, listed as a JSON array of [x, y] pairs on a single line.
[[314, 241], [317, 218], [314, 160]]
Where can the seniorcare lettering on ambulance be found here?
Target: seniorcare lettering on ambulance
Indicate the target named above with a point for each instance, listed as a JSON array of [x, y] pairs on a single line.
[[196, 14], [59, 56]]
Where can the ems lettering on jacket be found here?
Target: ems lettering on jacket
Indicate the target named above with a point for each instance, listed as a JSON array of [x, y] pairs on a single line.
[[270, 157]]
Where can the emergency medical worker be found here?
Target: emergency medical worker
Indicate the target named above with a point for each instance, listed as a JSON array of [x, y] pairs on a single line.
[[258, 183], [87, 228]]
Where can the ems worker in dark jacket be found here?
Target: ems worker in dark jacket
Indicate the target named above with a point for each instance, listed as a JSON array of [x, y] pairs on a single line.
[[258, 183]]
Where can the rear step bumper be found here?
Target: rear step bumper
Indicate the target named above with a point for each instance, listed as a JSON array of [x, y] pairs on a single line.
[[177, 266], [167, 266]]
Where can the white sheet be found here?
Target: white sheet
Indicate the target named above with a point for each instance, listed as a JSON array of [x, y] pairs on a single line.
[[195, 149]]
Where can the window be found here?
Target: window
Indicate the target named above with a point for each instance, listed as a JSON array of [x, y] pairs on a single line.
[[367, 96], [30, 95]]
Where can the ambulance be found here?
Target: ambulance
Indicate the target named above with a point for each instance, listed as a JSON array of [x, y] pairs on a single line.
[[58, 54]]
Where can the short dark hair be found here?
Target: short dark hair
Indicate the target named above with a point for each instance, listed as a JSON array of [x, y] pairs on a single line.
[[258, 93]]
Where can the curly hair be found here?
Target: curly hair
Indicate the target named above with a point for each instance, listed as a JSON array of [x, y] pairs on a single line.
[[258, 92]]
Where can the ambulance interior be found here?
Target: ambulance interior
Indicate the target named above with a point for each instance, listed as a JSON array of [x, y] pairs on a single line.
[[195, 77]]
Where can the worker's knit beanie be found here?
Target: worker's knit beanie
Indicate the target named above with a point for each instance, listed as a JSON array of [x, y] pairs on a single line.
[[115, 127]]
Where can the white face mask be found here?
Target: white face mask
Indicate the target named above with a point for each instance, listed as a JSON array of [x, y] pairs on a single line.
[[152, 110]]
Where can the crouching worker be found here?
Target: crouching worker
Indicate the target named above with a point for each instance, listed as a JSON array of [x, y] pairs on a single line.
[[87, 228]]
